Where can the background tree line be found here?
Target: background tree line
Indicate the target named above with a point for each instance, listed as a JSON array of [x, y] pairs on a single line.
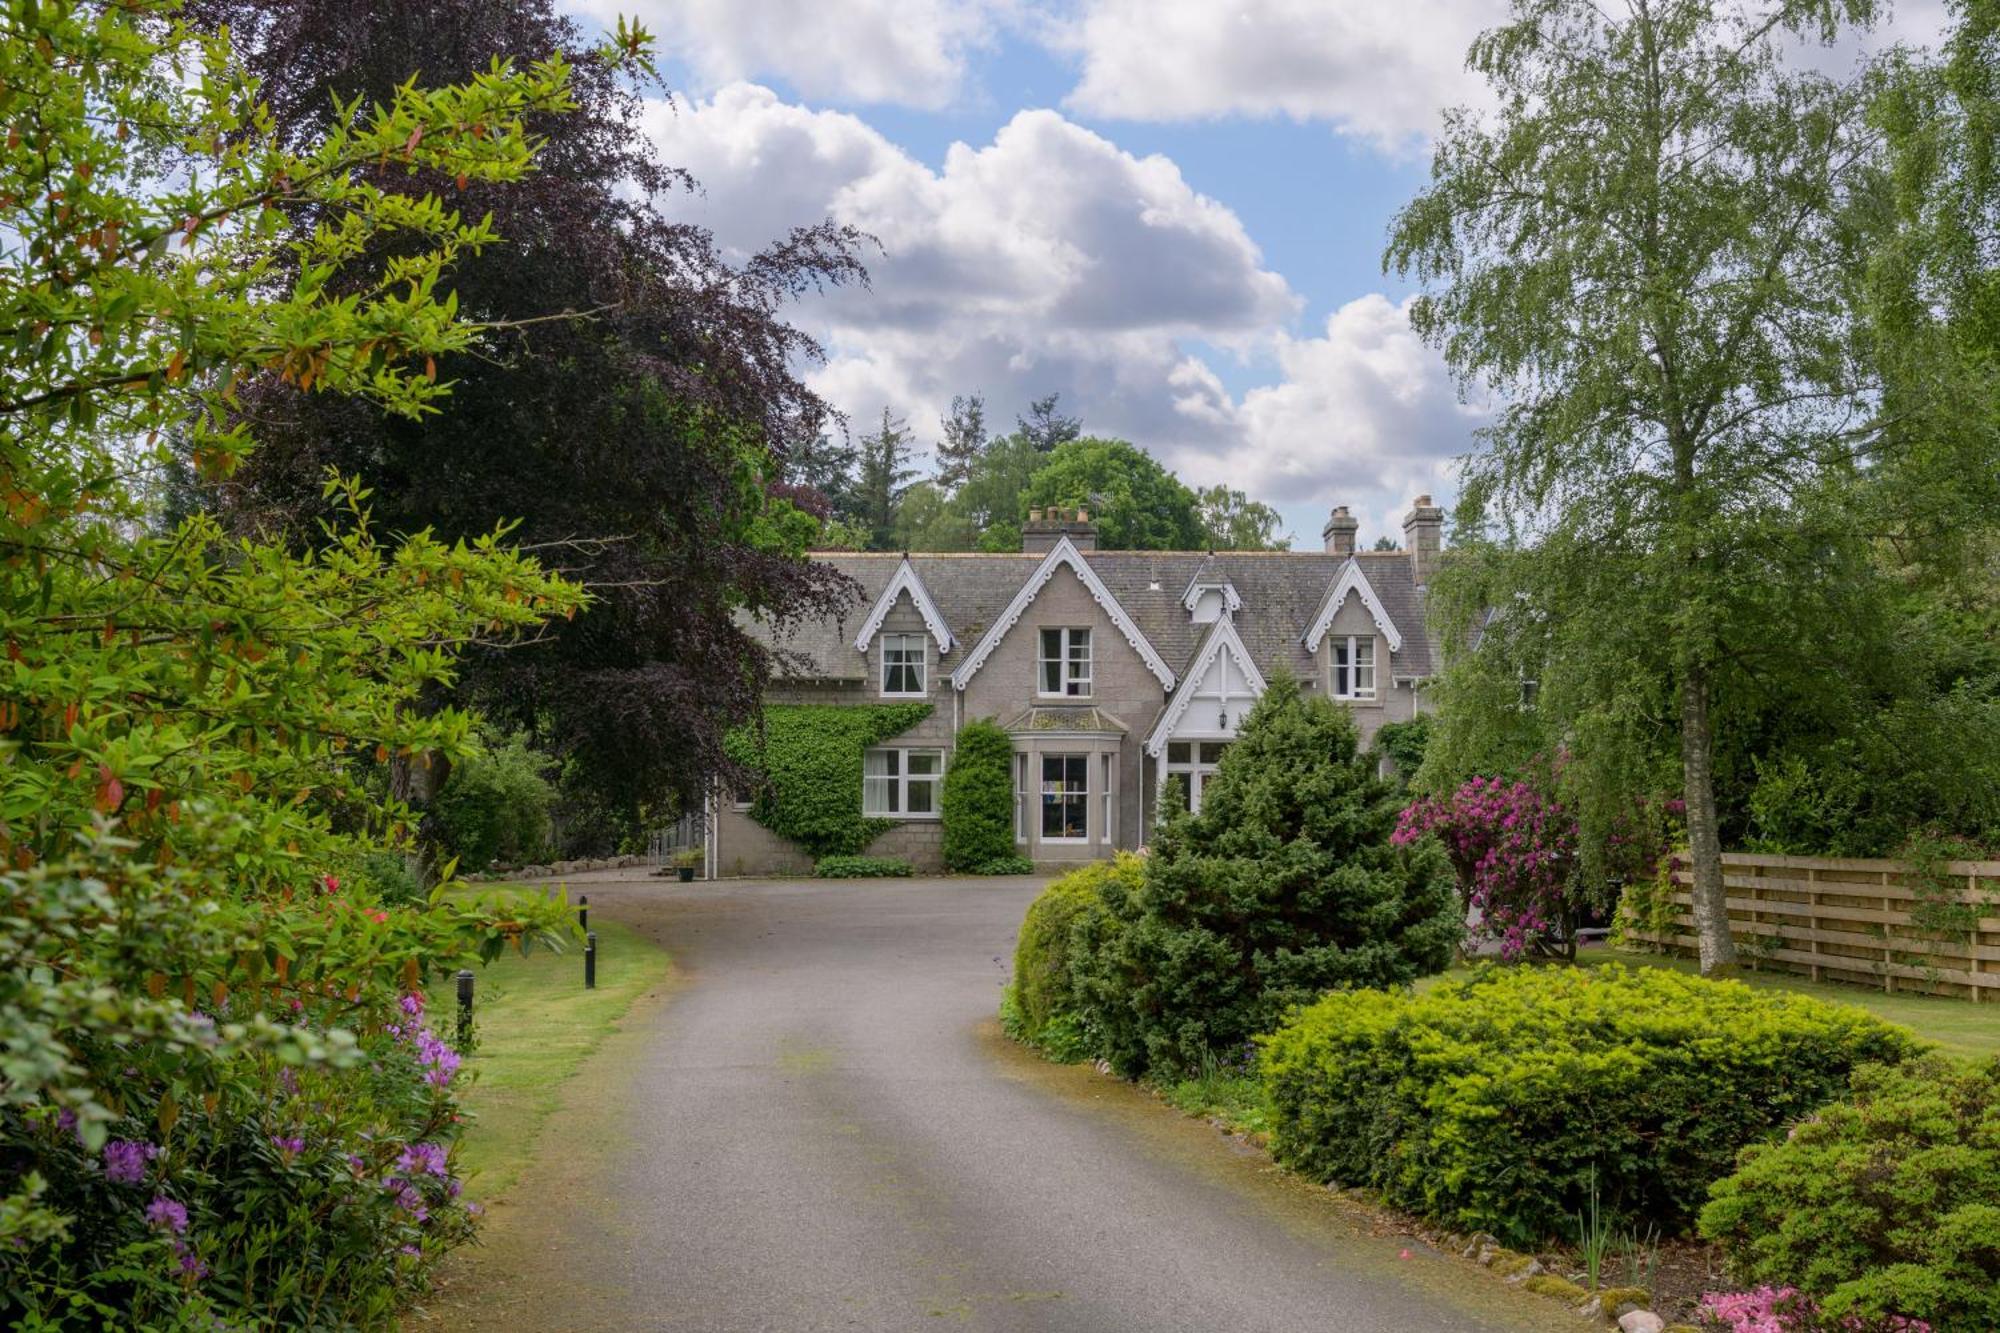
[[982, 487]]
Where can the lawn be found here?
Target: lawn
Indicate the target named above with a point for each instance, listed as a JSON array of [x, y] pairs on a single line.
[[1959, 1026], [535, 1025]]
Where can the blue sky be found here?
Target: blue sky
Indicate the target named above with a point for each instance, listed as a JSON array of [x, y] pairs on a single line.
[[1170, 211]]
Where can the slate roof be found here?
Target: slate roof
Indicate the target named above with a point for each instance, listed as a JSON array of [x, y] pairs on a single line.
[[1281, 592]]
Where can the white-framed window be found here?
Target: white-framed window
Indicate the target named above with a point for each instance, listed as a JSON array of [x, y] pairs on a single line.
[[901, 784], [903, 663], [1065, 798], [1193, 762], [1065, 662], [1354, 667], [1106, 789]]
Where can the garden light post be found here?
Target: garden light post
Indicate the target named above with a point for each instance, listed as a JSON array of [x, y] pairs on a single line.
[[464, 1008], [583, 913], [590, 960]]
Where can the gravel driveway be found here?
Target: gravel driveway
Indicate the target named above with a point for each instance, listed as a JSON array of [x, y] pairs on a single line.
[[819, 1127]]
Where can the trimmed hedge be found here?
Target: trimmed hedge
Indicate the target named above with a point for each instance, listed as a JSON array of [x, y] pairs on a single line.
[[1491, 1104], [1047, 988], [1005, 865], [978, 803], [861, 867], [808, 761], [1884, 1205]]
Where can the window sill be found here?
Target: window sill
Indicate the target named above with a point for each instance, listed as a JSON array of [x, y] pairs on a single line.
[[902, 818], [1065, 842]]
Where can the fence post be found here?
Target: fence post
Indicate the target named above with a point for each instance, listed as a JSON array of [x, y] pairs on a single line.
[[464, 1008], [583, 913], [590, 960]]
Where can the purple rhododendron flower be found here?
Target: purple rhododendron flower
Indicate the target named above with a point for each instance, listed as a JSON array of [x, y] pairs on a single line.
[[65, 1120], [413, 1005], [164, 1212], [125, 1161], [439, 1060], [290, 1146], [422, 1159], [190, 1262]]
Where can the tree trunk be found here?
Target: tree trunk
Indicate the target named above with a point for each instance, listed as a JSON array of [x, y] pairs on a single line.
[[1711, 906]]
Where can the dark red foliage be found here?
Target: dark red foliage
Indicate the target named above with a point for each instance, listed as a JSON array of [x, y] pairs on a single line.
[[624, 429]]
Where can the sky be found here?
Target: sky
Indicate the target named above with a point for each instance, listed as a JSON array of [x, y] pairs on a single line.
[[1171, 212]]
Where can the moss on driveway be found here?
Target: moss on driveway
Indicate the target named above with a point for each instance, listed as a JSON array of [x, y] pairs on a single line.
[[536, 1024]]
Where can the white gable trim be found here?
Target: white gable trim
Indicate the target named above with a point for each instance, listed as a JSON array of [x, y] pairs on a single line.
[[1220, 639], [1065, 553], [907, 580], [1352, 580]]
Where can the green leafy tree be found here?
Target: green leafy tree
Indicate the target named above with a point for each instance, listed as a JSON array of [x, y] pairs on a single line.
[[196, 987], [1643, 253], [979, 798], [1136, 503], [883, 476], [495, 805], [1232, 521], [1285, 885]]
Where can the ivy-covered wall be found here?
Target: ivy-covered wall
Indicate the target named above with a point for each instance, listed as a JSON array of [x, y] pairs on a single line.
[[809, 761]]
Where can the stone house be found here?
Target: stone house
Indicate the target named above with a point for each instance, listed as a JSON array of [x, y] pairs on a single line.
[[1112, 671]]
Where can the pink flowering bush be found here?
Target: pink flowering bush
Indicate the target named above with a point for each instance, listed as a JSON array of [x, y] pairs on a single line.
[[1514, 849], [1787, 1310]]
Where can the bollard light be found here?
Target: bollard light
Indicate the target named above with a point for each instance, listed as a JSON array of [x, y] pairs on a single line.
[[583, 913], [590, 960]]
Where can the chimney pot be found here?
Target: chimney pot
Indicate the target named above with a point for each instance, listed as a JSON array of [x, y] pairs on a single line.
[[1423, 538], [1340, 532]]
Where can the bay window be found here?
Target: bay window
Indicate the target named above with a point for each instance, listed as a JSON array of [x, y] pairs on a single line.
[[1065, 797]]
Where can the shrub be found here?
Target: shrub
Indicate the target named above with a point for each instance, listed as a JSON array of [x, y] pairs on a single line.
[[389, 877], [1005, 865], [495, 806], [861, 867], [1285, 884], [1493, 1103], [1046, 985], [978, 802], [807, 762], [1403, 745], [1514, 851], [1886, 1204]]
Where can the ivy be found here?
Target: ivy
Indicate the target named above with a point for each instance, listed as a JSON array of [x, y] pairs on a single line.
[[808, 766]]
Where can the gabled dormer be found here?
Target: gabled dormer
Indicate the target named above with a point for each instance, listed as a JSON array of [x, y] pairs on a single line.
[[1064, 555], [1210, 595], [904, 666]]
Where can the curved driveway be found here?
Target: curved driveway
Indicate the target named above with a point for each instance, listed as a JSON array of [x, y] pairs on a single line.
[[820, 1128]]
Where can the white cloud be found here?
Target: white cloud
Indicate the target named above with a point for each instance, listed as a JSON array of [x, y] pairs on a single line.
[[906, 52], [1051, 260], [1381, 71]]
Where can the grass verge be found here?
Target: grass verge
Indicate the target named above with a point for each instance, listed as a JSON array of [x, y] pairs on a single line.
[[536, 1024]]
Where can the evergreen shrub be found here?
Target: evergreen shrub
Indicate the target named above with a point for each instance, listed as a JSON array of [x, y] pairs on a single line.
[[1494, 1103], [806, 759], [978, 804], [1287, 884], [1883, 1205], [1005, 865], [861, 867]]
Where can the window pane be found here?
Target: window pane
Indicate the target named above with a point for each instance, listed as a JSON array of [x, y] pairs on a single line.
[[1211, 751], [925, 761], [879, 763], [923, 796], [1177, 752]]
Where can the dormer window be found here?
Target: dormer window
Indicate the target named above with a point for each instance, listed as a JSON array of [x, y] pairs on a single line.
[[1353, 667], [903, 662], [1207, 606], [1065, 662]]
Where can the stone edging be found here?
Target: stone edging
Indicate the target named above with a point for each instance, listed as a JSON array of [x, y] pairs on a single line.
[[560, 868]]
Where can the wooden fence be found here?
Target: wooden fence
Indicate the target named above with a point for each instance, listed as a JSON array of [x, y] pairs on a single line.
[[1837, 919]]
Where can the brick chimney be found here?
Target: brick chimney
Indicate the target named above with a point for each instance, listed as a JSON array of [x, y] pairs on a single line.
[[1423, 537], [1339, 532], [1046, 527]]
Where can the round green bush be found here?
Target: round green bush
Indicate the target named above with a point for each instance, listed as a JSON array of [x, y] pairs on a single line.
[[978, 802], [495, 806], [1886, 1204], [1494, 1103], [1050, 946]]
